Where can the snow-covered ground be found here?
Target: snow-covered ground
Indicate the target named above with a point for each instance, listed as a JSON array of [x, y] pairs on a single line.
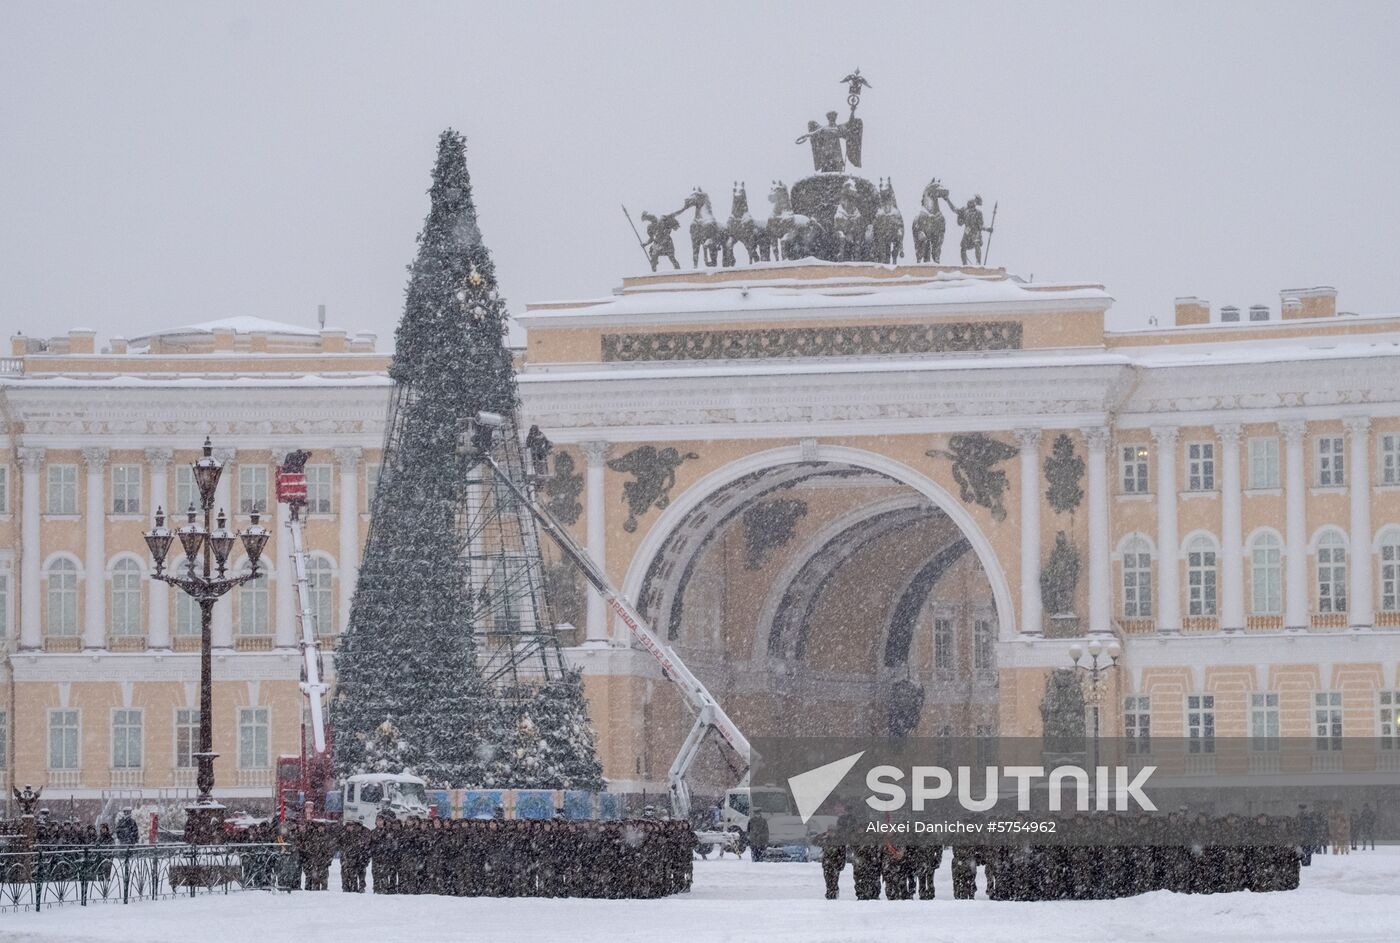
[[1342, 899]]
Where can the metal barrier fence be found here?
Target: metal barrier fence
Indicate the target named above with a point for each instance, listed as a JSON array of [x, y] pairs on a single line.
[[54, 875]]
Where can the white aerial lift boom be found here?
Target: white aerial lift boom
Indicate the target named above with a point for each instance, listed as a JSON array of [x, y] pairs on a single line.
[[709, 715], [291, 491]]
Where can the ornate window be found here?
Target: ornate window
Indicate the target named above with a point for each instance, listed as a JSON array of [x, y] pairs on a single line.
[[126, 739], [1134, 467], [187, 617], [1200, 466], [254, 730], [983, 638], [126, 597], [186, 494], [1137, 723], [252, 606], [1327, 720], [943, 646], [318, 489], [1390, 570], [126, 489], [1331, 573], [61, 611], [63, 739], [319, 578], [1389, 727], [62, 489], [1200, 577], [1263, 462], [186, 737], [1390, 459], [1200, 723], [1263, 721], [1331, 467], [1266, 575], [371, 484], [1137, 579], [252, 488]]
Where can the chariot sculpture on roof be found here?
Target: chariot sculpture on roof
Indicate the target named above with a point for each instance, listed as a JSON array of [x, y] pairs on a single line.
[[832, 215]]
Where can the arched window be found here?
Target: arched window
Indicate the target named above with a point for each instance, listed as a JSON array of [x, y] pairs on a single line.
[[1390, 570], [61, 612], [1266, 575], [126, 597], [1137, 579], [318, 580], [186, 609], [252, 606], [1331, 572], [1200, 576]]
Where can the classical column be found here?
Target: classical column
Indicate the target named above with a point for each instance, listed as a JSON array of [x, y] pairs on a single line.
[[95, 549], [1100, 572], [1295, 499], [349, 460], [158, 598], [596, 531], [286, 594], [1168, 549], [1362, 602], [31, 632], [1231, 537], [1031, 607], [221, 625]]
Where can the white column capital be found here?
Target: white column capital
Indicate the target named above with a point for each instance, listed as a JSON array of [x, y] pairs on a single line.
[[1293, 430], [1229, 432], [95, 457], [159, 457], [1096, 438], [595, 451], [1357, 425], [1028, 438], [31, 458], [1165, 436], [348, 457]]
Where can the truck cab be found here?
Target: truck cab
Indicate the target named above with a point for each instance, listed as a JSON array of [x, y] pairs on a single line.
[[786, 829], [367, 796]]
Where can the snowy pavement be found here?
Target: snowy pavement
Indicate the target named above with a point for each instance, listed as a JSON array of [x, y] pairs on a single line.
[[1356, 897]]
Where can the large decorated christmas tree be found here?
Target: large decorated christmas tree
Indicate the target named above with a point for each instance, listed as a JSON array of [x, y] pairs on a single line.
[[444, 558]]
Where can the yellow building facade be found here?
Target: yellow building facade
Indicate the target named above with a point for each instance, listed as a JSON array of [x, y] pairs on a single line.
[[818, 481]]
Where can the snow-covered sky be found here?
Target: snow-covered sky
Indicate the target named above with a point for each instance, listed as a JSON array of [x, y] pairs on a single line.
[[170, 162]]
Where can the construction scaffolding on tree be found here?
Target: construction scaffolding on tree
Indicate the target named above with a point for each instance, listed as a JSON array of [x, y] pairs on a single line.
[[517, 641]]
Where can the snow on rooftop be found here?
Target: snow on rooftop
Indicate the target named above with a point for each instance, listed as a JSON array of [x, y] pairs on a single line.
[[738, 297], [242, 324]]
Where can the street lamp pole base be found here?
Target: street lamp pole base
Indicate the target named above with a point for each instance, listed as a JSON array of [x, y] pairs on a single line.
[[204, 823]]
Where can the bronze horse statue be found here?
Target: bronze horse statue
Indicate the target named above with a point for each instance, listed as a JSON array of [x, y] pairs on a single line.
[[706, 233], [788, 235], [889, 226], [930, 224], [742, 229]]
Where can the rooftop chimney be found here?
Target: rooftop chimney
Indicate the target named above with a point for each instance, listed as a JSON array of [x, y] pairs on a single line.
[[1318, 302], [82, 340], [1191, 310]]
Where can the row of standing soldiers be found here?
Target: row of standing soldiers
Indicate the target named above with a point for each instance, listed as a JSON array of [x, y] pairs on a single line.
[[500, 858], [1203, 855]]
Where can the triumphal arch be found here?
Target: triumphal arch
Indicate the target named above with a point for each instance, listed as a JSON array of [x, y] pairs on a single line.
[[868, 493]]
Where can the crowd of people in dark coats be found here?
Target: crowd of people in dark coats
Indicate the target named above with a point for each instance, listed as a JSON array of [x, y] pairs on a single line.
[[495, 857], [1096, 858]]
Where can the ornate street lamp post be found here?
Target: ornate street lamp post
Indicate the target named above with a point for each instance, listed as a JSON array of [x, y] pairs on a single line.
[[207, 547], [1095, 681]]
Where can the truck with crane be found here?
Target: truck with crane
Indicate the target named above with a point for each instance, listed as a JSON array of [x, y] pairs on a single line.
[[709, 716]]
